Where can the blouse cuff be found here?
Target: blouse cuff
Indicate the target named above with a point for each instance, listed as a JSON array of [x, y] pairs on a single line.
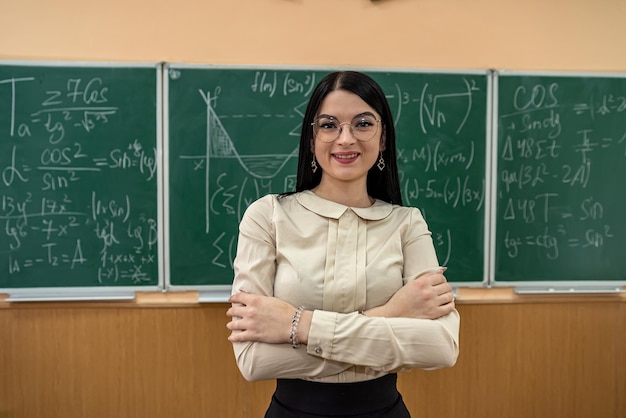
[[321, 334]]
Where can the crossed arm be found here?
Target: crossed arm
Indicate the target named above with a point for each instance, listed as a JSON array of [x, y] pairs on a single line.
[[417, 327]]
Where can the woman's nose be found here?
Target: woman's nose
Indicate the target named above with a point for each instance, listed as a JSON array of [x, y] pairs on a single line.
[[345, 133]]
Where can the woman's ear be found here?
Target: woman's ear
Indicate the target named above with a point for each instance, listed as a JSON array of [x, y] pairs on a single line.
[[383, 141]]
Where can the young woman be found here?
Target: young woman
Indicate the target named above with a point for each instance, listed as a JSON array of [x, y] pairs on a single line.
[[337, 285]]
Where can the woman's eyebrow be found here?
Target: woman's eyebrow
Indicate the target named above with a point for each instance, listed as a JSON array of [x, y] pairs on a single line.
[[358, 115], [364, 114]]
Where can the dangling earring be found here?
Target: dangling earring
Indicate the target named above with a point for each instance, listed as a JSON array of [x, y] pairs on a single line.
[[314, 165], [381, 162]]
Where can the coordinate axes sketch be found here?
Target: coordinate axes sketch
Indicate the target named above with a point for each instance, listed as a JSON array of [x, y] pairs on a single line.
[[233, 136]]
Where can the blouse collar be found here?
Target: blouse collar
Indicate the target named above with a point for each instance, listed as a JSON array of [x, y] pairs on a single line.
[[379, 210]]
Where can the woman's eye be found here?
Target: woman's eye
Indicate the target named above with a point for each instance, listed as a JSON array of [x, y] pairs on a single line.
[[363, 123]]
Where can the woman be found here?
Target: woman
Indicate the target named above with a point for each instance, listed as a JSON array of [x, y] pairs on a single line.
[[337, 286]]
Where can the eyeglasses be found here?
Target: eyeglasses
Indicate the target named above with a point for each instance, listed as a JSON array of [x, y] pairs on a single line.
[[362, 127]]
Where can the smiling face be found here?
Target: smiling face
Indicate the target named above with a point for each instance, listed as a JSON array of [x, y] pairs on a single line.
[[346, 161]]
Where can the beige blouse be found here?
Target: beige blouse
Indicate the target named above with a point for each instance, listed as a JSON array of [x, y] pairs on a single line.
[[338, 260]]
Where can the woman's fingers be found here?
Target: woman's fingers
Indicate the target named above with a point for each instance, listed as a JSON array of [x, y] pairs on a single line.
[[442, 288], [242, 297], [235, 311]]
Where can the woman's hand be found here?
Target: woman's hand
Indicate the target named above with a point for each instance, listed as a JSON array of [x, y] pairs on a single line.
[[261, 319], [429, 296]]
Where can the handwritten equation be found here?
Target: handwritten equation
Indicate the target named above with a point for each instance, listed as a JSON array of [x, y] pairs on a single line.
[[561, 149], [241, 141], [77, 181]]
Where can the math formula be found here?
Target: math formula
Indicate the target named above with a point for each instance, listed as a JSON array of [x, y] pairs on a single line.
[[561, 151], [78, 178], [241, 142]]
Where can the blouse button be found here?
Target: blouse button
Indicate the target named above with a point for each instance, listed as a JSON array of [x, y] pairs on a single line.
[[318, 350]]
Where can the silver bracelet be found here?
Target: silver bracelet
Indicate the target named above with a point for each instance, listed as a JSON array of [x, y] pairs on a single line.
[[295, 320]]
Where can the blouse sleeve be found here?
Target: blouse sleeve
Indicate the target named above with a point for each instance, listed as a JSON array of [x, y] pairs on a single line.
[[254, 268], [391, 344]]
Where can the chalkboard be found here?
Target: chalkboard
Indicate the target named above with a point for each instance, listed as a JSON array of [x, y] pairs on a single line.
[[79, 152], [232, 136], [561, 164]]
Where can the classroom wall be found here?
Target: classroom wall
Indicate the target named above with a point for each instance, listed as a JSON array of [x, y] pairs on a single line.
[[531, 34], [520, 357]]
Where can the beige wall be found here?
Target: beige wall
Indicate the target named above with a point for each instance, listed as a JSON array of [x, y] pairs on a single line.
[[580, 35]]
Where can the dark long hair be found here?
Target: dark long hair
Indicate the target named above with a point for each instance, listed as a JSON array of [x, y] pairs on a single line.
[[383, 185]]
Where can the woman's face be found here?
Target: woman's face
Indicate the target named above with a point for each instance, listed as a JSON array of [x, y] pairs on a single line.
[[347, 159]]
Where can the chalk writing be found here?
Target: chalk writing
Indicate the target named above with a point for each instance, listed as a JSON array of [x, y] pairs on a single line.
[[78, 181], [560, 149], [241, 142]]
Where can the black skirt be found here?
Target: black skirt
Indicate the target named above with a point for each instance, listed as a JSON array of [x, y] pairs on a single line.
[[378, 398]]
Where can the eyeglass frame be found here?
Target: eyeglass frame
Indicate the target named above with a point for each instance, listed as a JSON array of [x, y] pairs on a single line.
[[340, 129]]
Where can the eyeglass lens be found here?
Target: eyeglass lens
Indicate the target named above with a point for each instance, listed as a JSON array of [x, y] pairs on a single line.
[[328, 128]]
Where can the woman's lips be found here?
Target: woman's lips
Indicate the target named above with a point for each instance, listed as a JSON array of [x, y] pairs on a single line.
[[346, 158]]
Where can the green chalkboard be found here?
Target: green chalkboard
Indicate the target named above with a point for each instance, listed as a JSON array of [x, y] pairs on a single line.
[[232, 136], [79, 174], [561, 164]]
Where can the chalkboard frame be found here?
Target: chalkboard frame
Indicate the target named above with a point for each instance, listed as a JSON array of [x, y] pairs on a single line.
[[221, 292], [104, 293], [537, 286]]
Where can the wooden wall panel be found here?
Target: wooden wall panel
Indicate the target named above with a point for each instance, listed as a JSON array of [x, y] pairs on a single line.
[[527, 360], [117, 362], [523, 360]]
